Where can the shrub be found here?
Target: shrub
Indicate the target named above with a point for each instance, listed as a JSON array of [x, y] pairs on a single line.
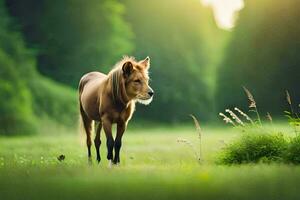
[[292, 154], [16, 113], [54, 100], [253, 148]]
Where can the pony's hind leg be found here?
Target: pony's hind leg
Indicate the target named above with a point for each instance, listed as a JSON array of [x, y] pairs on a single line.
[[97, 141], [87, 124]]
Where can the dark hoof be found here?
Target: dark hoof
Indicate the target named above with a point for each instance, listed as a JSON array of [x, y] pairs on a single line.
[[98, 160], [116, 162]]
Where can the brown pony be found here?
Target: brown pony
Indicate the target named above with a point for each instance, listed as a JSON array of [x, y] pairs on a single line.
[[108, 99]]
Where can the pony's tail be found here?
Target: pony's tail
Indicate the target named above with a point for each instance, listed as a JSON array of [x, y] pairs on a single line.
[[80, 121], [81, 111], [85, 124]]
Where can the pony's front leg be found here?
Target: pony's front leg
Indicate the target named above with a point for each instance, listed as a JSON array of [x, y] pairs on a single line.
[[107, 126], [121, 126]]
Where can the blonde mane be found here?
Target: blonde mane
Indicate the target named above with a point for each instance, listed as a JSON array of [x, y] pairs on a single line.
[[115, 77]]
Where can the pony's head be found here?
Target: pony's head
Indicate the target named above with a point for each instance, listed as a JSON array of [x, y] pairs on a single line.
[[133, 78]]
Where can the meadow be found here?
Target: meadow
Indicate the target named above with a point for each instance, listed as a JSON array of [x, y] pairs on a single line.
[[154, 165], [200, 64]]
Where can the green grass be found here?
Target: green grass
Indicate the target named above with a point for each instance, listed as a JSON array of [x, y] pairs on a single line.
[[153, 166]]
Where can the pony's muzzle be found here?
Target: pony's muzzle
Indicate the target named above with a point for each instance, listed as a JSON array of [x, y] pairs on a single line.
[[150, 92]]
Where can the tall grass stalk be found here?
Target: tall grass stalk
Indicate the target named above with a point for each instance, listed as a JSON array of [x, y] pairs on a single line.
[[269, 117], [252, 104], [289, 100], [293, 117], [199, 131]]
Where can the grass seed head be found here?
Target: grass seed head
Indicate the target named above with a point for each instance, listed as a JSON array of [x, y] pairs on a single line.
[[269, 117], [288, 97], [235, 117], [252, 102], [226, 119], [244, 115], [197, 125]]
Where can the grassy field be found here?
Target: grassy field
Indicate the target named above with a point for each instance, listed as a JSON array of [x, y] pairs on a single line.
[[153, 166]]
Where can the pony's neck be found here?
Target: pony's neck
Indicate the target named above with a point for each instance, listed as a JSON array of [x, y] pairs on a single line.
[[118, 90]]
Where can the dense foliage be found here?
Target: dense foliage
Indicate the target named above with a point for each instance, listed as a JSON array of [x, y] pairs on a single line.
[[293, 151], [26, 96], [15, 64], [73, 37], [253, 147], [55, 101]]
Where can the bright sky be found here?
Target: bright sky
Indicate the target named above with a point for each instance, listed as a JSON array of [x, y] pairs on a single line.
[[225, 11]]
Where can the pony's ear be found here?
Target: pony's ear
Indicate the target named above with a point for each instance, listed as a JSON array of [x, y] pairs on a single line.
[[145, 62], [127, 68]]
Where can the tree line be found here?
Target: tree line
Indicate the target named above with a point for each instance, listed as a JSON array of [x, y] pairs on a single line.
[[46, 46]]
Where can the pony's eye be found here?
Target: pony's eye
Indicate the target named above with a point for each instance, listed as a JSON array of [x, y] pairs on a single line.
[[137, 81]]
